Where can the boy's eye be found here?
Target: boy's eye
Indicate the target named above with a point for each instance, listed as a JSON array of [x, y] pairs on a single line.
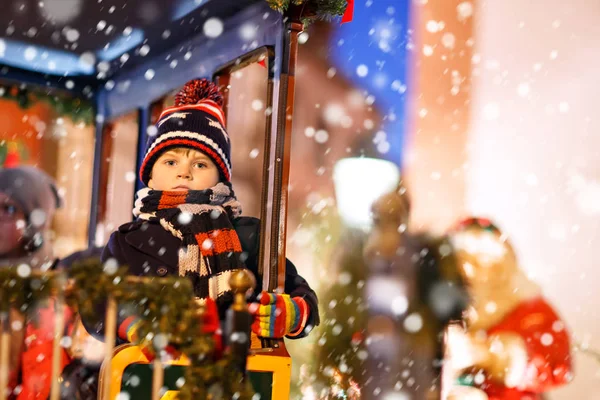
[[170, 162], [200, 165]]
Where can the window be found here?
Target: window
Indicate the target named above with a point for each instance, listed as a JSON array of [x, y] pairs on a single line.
[[53, 131]]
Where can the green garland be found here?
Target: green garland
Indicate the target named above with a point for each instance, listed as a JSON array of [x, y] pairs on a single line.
[[20, 289], [93, 283], [76, 109], [166, 306], [309, 10]]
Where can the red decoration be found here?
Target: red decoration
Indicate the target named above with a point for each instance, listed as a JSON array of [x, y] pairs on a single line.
[[197, 90], [12, 159], [357, 338], [349, 13], [549, 363]]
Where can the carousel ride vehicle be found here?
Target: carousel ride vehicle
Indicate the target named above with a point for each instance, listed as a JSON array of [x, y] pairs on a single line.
[[106, 63]]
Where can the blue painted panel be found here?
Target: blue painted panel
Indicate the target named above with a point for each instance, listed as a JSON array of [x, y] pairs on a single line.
[[139, 87], [373, 52]]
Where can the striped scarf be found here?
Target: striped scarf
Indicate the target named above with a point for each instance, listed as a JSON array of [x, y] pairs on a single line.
[[201, 219]]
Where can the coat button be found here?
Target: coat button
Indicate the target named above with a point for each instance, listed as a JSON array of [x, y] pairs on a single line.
[[162, 271]]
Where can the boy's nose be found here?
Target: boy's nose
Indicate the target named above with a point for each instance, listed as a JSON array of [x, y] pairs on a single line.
[[184, 173]]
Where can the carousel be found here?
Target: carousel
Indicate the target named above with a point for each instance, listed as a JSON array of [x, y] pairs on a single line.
[[103, 77]]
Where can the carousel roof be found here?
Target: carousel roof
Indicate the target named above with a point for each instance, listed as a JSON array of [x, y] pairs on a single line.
[[98, 37]]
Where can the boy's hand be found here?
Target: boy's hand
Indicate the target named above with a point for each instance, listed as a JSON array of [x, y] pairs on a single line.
[[278, 315]]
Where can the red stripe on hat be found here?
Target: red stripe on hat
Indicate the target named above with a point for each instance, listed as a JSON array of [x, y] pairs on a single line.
[[200, 106], [187, 143]]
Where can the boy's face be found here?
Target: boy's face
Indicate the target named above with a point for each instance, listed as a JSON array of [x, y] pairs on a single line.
[[183, 169], [11, 225]]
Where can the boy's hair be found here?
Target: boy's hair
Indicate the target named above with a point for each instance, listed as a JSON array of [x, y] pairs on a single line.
[[196, 122], [185, 151]]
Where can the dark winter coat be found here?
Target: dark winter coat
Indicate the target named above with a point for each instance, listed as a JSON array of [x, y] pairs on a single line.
[[149, 250]]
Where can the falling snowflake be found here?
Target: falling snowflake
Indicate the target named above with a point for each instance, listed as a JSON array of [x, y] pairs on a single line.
[[413, 323], [321, 136], [213, 28], [72, 35], [432, 26], [399, 305], [448, 40], [37, 217], [144, 50], [16, 325], [362, 70], [334, 113], [547, 339], [257, 105], [303, 37], [427, 50], [66, 342], [110, 266], [184, 218], [254, 153], [24, 270], [464, 10], [30, 53], [149, 74]]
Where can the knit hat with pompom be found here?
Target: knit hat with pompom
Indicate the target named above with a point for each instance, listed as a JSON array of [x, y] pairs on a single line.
[[197, 122]]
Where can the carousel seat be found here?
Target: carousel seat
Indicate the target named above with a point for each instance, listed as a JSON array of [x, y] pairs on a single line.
[[269, 371]]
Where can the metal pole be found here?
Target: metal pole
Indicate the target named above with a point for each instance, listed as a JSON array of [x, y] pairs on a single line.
[[274, 264], [101, 112], [143, 121]]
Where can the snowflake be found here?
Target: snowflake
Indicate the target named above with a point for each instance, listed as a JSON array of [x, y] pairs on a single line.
[[213, 28]]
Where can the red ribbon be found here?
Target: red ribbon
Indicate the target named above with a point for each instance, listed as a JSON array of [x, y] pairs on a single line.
[[349, 13]]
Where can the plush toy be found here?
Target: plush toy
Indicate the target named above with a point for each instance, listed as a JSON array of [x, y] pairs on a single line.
[[514, 345]]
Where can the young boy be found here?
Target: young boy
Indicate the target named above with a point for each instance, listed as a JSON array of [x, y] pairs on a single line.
[[188, 219]]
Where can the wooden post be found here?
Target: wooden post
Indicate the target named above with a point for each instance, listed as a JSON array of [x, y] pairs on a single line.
[[110, 330], [4, 353], [59, 322], [157, 377]]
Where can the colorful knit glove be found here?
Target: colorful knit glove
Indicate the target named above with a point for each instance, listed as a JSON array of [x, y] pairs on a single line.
[[129, 328], [279, 315], [128, 331]]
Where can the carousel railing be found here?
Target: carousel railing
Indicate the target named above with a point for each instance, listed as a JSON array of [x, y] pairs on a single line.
[[167, 308]]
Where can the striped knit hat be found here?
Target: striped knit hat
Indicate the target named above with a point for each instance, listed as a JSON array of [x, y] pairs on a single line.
[[197, 122]]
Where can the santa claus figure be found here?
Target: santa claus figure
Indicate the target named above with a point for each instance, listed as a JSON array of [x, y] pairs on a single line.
[[513, 344]]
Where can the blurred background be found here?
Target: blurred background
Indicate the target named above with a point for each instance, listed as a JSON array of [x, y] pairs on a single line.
[[482, 107]]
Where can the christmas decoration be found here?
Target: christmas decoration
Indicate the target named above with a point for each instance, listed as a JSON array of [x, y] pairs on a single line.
[[75, 108], [12, 154], [20, 288], [310, 10], [169, 313], [507, 312], [341, 352]]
